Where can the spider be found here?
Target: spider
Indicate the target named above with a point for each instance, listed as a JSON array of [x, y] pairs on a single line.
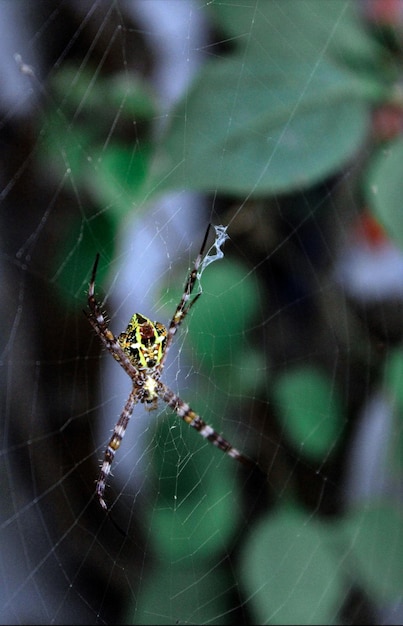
[[141, 350]]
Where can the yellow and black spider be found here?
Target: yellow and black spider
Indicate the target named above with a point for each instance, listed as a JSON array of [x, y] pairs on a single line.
[[141, 350]]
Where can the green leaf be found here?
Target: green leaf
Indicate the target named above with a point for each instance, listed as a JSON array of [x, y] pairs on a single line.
[[393, 388], [300, 29], [117, 179], [290, 106], [310, 410], [393, 377], [174, 593], [249, 126], [375, 557], [73, 145], [65, 148], [195, 513], [100, 99], [76, 255], [114, 178], [384, 188], [226, 308], [290, 573]]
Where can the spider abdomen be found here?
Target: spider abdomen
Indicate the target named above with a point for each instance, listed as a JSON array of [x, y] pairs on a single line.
[[143, 341]]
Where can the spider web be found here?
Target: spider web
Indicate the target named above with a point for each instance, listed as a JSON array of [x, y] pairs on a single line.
[[126, 128]]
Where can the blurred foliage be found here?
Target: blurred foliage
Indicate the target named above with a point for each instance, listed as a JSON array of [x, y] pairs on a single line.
[[393, 376], [383, 186], [393, 390], [298, 569], [109, 175], [229, 302], [287, 108], [290, 572], [310, 411], [374, 556], [191, 593], [195, 513]]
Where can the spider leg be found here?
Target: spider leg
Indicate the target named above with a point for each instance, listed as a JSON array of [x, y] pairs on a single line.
[[184, 411], [97, 320], [184, 305], [114, 443]]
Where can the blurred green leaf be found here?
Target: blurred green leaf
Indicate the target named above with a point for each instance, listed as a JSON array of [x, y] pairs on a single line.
[[247, 374], [76, 255], [196, 513], [289, 571], [117, 180], [384, 188], [110, 176], [174, 593], [224, 311], [393, 377], [393, 388], [300, 29], [251, 127], [114, 184], [113, 178], [75, 130], [65, 148], [99, 98], [310, 410], [375, 555], [280, 113]]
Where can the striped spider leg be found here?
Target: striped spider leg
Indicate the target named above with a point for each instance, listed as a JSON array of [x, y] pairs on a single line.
[[184, 305], [141, 350], [185, 412]]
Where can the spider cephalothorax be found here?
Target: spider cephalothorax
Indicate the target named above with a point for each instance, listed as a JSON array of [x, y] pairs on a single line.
[[141, 350]]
